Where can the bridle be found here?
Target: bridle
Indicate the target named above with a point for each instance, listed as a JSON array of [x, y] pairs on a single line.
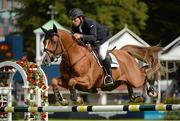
[[53, 52], [56, 56]]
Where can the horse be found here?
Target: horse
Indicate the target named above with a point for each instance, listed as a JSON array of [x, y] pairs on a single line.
[[80, 69]]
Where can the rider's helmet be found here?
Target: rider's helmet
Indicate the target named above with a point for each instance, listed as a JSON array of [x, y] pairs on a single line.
[[75, 13]]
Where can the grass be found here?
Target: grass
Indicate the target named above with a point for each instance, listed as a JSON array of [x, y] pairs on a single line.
[[101, 120], [108, 120]]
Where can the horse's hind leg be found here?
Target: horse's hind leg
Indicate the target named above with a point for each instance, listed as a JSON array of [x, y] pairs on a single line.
[[58, 96], [151, 90], [150, 82], [132, 97]]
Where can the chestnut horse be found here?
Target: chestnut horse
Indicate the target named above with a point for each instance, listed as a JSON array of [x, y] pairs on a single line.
[[80, 69]]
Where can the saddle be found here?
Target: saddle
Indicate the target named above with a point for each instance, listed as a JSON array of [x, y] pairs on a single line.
[[114, 62]]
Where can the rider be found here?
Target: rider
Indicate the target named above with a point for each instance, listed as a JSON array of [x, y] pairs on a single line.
[[90, 32]]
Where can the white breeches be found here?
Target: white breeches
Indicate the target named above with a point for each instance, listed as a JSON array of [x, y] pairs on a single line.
[[103, 50]]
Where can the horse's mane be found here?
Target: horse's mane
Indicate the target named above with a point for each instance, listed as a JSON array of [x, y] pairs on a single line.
[[79, 42], [66, 32]]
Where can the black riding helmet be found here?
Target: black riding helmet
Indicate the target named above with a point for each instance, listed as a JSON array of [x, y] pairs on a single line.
[[75, 13]]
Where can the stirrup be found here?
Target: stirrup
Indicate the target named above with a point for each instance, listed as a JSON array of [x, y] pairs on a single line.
[[108, 80]]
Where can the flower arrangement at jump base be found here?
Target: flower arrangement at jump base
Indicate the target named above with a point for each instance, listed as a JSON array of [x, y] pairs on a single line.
[[36, 85]]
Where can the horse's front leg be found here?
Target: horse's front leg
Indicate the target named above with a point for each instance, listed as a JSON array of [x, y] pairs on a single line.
[[83, 83], [132, 97], [56, 82], [77, 100]]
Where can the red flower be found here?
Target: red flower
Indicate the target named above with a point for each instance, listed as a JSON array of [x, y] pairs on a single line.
[[33, 112], [44, 115], [33, 66], [24, 59], [30, 71], [19, 62], [33, 81], [29, 78]]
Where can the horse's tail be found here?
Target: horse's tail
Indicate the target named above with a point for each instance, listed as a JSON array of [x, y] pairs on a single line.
[[148, 55]]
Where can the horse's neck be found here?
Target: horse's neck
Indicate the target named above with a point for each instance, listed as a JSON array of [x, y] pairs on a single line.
[[74, 51], [69, 42]]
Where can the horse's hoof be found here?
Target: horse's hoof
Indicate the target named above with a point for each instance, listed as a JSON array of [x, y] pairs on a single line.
[[64, 102], [137, 99], [79, 101], [153, 94]]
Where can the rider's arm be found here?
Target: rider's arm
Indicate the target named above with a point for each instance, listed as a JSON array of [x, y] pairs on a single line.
[[92, 35]]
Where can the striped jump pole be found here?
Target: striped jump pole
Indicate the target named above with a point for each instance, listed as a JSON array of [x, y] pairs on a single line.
[[101, 108]]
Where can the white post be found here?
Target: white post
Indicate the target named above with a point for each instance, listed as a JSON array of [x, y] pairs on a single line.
[[38, 100], [159, 89], [159, 83], [103, 97], [9, 95], [167, 74], [38, 48]]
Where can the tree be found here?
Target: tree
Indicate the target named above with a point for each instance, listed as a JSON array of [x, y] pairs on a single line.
[[32, 15], [163, 23], [114, 13]]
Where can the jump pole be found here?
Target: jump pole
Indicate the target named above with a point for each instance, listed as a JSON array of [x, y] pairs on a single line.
[[100, 108]]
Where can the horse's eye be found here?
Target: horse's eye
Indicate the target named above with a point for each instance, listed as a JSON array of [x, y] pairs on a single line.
[[46, 37], [54, 42]]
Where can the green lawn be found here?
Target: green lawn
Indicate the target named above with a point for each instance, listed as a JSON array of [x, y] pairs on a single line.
[[101, 120], [109, 120]]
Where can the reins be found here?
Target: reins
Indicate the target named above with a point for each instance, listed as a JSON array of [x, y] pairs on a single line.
[[56, 56]]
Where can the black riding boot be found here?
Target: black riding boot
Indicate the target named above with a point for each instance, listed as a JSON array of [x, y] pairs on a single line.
[[107, 65]]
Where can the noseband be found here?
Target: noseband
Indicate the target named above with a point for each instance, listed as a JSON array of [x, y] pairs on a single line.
[[59, 43]]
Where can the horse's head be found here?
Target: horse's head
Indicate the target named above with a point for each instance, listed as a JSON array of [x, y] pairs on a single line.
[[52, 45]]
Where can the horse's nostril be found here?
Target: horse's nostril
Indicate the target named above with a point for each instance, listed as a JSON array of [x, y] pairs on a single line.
[[45, 60]]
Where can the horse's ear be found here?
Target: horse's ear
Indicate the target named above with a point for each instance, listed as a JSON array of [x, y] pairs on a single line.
[[44, 30], [54, 28]]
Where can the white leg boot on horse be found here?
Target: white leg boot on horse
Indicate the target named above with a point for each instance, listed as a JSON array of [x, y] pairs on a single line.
[[133, 98], [77, 100], [150, 84], [59, 100], [151, 90]]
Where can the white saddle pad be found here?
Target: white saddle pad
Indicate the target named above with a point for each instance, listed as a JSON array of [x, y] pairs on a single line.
[[114, 63]]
